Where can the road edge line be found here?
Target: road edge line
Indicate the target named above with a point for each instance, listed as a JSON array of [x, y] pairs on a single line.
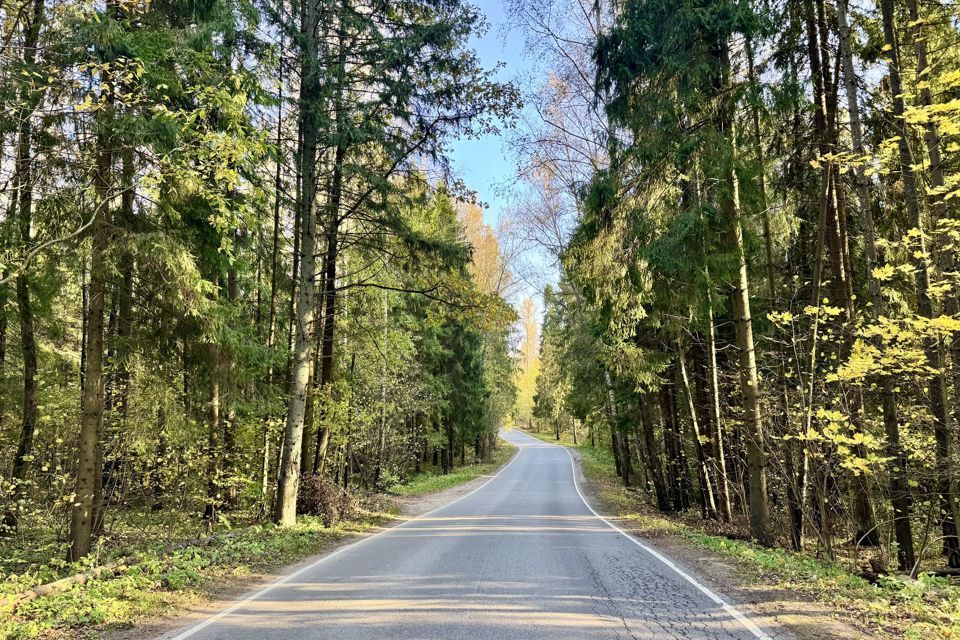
[[200, 626], [733, 611]]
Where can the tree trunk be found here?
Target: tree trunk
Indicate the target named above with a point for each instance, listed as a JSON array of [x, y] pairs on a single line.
[[229, 495], [333, 229], [615, 448], [756, 457], [653, 452], [382, 431], [706, 483], [274, 273], [309, 418], [447, 453], [24, 186], [621, 458], [156, 473], [4, 297], [794, 495], [117, 382], [330, 275], [743, 322], [912, 203], [288, 479], [89, 449], [833, 223], [215, 438], [719, 447], [868, 533], [320, 455], [673, 446], [762, 174], [937, 384]]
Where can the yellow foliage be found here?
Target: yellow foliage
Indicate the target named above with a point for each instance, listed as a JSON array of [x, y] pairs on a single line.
[[883, 273]]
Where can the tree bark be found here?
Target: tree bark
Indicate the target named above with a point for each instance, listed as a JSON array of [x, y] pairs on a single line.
[[159, 459], [89, 449], [309, 416], [333, 221], [619, 444], [706, 483], [936, 383], [719, 446], [24, 173], [274, 274], [899, 487], [743, 322], [673, 446], [654, 458], [214, 499], [288, 480]]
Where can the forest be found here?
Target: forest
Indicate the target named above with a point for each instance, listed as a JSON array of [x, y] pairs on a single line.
[[234, 262], [241, 282], [753, 206]]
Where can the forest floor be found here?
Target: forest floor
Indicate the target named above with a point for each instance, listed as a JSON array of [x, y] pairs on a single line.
[[809, 597], [163, 590]]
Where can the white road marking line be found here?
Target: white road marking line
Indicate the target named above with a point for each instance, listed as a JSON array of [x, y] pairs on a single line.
[[733, 611], [273, 585]]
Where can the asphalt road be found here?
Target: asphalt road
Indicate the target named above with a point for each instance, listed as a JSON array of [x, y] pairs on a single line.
[[522, 557]]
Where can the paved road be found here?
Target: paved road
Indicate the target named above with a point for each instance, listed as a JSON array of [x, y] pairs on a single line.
[[521, 558]]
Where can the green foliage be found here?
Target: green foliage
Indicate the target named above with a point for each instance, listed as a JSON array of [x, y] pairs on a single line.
[[923, 608], [168, 125], [160, 581], [430, 481]]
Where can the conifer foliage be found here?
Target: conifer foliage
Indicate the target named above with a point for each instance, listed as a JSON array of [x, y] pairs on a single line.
[[231, 259], [757, 303]]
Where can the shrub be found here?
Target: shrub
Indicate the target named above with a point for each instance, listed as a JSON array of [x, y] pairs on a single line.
[[320, 496]]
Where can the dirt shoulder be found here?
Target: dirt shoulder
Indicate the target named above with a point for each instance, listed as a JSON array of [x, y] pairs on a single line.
[[784, 613]]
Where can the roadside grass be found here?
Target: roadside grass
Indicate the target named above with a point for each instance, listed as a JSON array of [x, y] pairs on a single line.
[[432, 480], [160, 580], [895, 607]]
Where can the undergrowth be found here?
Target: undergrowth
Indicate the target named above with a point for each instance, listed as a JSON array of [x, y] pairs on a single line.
[[433, 480], [159, 580], [923, 609]]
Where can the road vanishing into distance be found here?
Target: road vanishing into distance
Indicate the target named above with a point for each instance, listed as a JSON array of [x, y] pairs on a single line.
[[522, 557]]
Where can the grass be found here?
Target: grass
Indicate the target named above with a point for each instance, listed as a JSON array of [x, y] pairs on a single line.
[[433, 480], [162, 581], [927, 608]]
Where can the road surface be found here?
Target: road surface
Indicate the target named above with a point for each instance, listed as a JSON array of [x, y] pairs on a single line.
[[521, 558]]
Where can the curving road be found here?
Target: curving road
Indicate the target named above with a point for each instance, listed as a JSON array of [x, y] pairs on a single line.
[[521, 558]]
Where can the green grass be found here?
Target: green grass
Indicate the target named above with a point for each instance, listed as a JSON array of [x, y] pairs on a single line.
[[433, 480], [927, 608], [160, 582]]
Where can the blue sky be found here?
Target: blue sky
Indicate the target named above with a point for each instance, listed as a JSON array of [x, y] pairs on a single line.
[[483, 164]]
